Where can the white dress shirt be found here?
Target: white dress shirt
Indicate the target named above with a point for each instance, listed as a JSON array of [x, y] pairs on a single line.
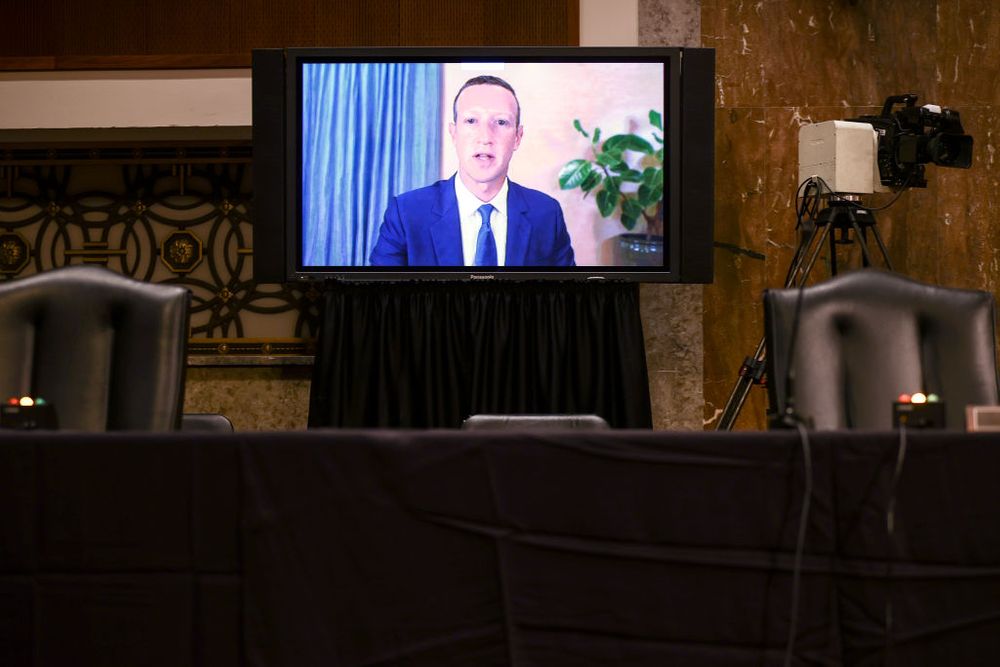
[[468, 215]]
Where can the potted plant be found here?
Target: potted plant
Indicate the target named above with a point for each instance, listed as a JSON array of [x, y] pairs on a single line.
[[626, 176]]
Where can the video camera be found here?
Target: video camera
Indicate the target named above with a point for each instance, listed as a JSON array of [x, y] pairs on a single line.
[[878, 153]]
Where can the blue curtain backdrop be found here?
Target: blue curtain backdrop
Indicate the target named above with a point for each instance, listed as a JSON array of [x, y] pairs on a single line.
[[369, 131]]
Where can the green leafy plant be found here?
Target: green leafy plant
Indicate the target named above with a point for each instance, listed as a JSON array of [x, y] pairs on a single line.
[[605, 174]]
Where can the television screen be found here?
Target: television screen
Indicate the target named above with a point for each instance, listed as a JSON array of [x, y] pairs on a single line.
[[502, 163]]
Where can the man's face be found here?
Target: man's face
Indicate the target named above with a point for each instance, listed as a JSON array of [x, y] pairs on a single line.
[[486, 135]]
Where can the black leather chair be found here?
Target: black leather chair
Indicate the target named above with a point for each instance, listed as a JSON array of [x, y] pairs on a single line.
[[863, 338], [107, 351]]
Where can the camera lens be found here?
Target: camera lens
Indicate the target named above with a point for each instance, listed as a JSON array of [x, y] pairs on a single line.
[[950, 150]]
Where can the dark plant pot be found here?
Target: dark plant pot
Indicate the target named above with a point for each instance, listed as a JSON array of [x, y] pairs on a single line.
[[637, 250]]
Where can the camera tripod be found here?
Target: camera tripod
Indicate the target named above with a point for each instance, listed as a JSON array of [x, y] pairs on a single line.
[[834, 225]]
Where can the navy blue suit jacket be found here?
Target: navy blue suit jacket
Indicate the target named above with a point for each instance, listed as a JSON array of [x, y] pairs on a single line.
[[421, 228]]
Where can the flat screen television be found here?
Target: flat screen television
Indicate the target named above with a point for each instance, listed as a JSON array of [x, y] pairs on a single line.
[[373, 163]]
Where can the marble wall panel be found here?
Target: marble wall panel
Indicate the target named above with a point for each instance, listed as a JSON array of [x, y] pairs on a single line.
[[672, 325], [788, 52], [672, 314], [969, 57], [784, 63], [669, 23], [255, 398]]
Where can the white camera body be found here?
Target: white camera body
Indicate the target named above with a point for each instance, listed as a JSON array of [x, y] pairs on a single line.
[[842, 153]]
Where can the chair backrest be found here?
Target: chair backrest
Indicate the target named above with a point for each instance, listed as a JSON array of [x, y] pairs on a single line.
[[533, 422], [106, 350], [205, 422], [863, 338]]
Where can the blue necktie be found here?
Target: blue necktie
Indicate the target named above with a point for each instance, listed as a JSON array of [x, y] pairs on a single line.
[[486, 245]]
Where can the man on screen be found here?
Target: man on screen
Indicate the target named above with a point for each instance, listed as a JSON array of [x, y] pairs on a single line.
[[480, 218]]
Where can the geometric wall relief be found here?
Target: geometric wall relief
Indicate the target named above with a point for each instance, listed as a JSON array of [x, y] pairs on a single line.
[[185, 223]]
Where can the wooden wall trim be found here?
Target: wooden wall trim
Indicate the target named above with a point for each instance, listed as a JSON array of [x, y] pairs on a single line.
[[166, 61], [573, 22], [157, 34]]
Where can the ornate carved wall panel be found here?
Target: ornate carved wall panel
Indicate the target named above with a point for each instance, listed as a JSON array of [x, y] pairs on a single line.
[[163, 214]]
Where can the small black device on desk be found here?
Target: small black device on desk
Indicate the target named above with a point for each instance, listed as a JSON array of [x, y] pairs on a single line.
[[27, 413]]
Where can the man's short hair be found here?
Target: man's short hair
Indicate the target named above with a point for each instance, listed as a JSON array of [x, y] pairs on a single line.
[[485, 80]]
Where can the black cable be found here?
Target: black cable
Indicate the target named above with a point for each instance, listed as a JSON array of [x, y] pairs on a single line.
[[791, 415], [836, 196], [800, 543], [902, 189], [856, 204], [806, 211], [813, 182], [890, 527], [890, 512]]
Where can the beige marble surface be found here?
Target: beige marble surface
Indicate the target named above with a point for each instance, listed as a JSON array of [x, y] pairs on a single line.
[[669, 22], [255, 398], [672, 328], [672, 314]]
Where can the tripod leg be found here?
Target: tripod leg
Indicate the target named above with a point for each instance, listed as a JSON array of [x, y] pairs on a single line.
[[800, 254], [750, 372], [859, 234], [861, 238], [815, 255], [833, 253], [882, 248]]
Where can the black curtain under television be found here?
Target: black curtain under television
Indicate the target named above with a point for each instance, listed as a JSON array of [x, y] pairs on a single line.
[[430, 354]]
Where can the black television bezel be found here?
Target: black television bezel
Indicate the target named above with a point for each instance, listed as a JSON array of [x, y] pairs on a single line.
[[689, 110]]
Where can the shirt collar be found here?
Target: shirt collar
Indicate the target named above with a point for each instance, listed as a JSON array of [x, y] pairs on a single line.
[[469, 203]]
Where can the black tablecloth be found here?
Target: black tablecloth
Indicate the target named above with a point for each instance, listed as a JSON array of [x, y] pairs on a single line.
[[497, 548]]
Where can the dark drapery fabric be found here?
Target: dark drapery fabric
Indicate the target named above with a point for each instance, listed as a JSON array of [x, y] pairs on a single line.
[[508, 548], [593, 549], [120, 549], [430, 354]]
